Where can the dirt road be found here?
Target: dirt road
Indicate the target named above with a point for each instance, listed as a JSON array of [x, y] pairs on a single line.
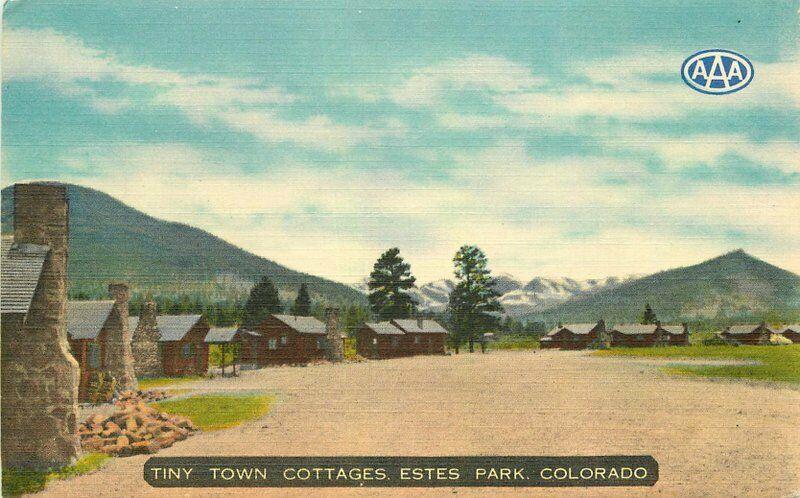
[[710, 438]]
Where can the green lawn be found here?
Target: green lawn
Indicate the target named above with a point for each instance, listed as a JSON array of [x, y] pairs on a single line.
[[212, 412], [511, 341], [17, 482], [157, 382], [773, 363]]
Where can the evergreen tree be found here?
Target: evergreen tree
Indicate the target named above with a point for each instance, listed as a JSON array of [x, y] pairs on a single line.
[[302, 304], [263, 301], [473, 307], [649, 315], [390, 277]]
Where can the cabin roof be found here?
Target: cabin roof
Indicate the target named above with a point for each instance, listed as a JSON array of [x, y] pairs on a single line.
[[795, 327], [384, 328], [635, 329], [410, 325], [674, 329], [575, 328], [175, 327], [219, 335], [302, 324], [20, 269], [744, 329], [85, 319]]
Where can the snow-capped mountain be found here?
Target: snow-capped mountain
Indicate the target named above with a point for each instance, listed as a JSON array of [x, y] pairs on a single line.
[[517, 299]]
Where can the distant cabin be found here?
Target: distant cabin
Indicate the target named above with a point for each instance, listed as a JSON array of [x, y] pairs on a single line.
[[380, 340], [749, 334], [182, 342], [575, 336], [421, 336], [792, 332], [636, 335], [228, 339], [89, 325], [284, 339]]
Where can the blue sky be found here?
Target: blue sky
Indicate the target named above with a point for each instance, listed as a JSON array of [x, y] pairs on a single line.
[[561, 140]]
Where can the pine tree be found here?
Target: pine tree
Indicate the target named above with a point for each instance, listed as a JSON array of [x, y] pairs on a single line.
[[302, 303], [473, 307], [390, 277], [263, 301], [649, 315]]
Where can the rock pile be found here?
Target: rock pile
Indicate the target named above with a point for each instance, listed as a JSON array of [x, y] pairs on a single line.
[[146, 396], [133, 428]]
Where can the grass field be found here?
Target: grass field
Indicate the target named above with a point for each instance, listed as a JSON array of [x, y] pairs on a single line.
[[157, 382], [512, 342], [770, 363], [214, 412], [17, 482]]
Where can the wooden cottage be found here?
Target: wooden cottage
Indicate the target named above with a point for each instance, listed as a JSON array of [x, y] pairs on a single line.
[[380, 340], [89, 325], [284, 339], [749, 334], [229, 340], [575, 336], [182, 342], [792, 332], [637, 335], [421, 336]]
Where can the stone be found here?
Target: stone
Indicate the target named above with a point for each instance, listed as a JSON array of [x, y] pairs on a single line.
[[118, 354], [131, 424], [39, 375], [144, 346], [335, 349], [123, 441]]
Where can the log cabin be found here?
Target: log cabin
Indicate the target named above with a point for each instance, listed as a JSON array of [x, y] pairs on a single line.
[[182, 342], [638, 335], [379, 340], [89, 325], [753, 335], [792, 332], [575, 336], [421, 336], [284, 339]]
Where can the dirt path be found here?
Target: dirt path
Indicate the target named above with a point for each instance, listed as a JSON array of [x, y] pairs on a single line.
[[710, 438]]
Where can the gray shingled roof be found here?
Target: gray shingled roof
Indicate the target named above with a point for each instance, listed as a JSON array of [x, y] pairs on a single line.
[[303, 324], [428, 326], [575, 328], [673, 329], [384, 328], [743, 329], [218, 335], [20, 269], [174, 327], [795, 327], [85, 319], [635, 329]]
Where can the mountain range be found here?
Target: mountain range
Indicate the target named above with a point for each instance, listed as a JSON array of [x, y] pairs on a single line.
[[110, 240]]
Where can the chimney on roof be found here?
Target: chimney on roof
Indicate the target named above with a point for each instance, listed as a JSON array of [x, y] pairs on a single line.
[[420, 322], [40, 391], [119, 356], [335, 344]]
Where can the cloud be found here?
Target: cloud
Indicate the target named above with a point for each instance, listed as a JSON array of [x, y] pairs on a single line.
[[245, 104]]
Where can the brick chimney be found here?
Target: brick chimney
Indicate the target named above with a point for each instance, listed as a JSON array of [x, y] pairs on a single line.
[[146, 351], [119, 356], [334, 335], [39, 375]]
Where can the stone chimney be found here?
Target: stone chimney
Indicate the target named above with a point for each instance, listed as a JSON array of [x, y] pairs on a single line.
[[420, 322], [119, 357], [146, 352], [39, 375], [334, 335]]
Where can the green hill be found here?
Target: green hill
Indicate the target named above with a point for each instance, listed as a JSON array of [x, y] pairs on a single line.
[[731, 287], [112, 241]]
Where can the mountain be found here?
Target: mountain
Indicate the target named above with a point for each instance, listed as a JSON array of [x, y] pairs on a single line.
[[517, 299], [735, 286], [112, 241]]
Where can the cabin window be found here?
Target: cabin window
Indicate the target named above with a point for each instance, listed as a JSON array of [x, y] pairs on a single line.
[[188, 350], [416, 339], [284, 340], [639, 337], [320, 342], [273, 343], [395, 342], [374, 340], [93, 354]]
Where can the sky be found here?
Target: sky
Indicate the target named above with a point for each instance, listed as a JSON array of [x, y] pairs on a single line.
[[557, 136]]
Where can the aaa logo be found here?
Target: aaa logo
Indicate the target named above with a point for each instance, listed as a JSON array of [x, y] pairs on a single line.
[[717, 71]]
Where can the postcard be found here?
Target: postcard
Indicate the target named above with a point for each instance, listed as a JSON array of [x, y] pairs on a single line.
[[400, 248]]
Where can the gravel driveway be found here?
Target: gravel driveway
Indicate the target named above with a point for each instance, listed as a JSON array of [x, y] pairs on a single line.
[[710, 438]]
